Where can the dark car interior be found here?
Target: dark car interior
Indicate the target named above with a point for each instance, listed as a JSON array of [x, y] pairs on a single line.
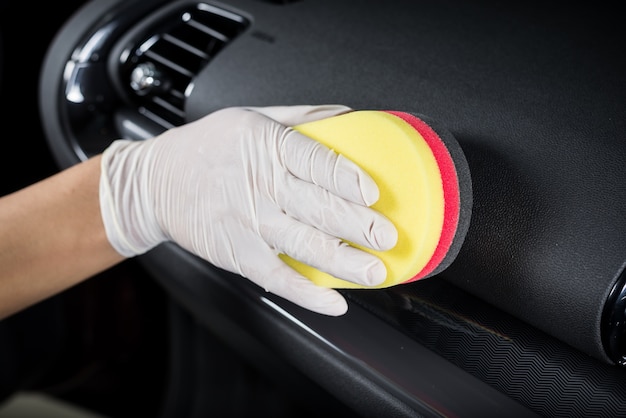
[[529, 320]]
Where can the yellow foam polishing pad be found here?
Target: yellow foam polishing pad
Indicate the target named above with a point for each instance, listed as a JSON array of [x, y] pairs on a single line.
[[419, 189]]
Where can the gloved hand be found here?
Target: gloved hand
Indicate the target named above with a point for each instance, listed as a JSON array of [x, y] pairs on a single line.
[[239, 186]]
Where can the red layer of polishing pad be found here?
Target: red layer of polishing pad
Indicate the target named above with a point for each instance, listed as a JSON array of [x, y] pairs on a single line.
[[424, 182]]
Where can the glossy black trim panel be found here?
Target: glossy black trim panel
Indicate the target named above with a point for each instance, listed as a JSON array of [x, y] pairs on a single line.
[[372, 367]]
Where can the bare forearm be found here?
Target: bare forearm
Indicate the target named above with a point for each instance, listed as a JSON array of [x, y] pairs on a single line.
[[52, 237]]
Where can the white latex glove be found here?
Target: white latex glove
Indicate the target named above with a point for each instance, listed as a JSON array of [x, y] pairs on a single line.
[[237, 188]]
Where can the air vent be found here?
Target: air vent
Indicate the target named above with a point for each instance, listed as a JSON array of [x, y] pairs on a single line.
[[158, 70]]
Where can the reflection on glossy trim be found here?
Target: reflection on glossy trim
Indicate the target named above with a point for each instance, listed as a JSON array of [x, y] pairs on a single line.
[[300, 324]]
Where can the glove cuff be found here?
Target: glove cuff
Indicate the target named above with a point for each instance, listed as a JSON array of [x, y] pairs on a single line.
[[125, 205]]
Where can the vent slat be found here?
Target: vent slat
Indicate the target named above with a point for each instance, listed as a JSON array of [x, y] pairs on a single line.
[[178, 94], [206, 29], [164, 122], [169, 63], [182, 44], [168, 106]]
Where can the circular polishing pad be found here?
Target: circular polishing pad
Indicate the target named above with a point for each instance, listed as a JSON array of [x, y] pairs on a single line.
[[424, 183]]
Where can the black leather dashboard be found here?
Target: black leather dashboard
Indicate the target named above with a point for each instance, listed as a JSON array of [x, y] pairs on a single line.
[[548, 235], [535, 96]]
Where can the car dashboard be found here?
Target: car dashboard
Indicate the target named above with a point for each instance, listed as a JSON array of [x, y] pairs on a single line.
[[528, 320]]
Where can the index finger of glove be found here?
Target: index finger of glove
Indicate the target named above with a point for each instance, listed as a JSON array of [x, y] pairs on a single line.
[[295, 115], [314, 162]]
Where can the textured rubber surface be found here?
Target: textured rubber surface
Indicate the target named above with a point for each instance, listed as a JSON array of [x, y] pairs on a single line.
[[549, 377]]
